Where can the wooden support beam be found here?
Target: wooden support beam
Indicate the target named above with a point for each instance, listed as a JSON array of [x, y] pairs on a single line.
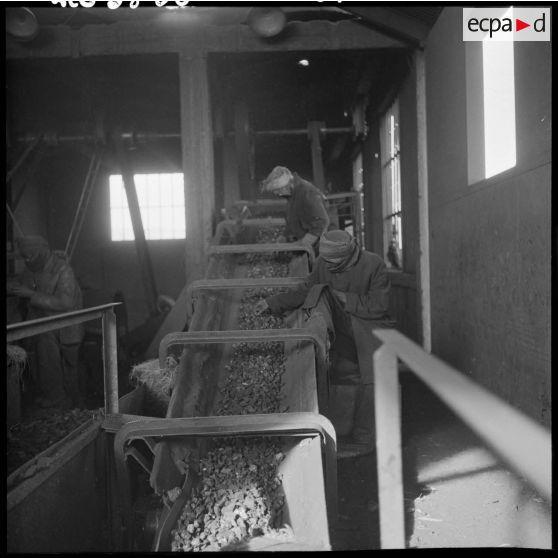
[[394, 25], [423, 204], [318, 177], [146, 267], [197, 161], [372, 178], [153, 37]]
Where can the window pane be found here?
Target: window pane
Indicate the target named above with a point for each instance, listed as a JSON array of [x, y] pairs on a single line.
[[116, 192], [391, 187], [499, 106], [166, 193], [161, 200]]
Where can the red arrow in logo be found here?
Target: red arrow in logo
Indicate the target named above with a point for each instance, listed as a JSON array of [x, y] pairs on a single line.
[[519, 25]]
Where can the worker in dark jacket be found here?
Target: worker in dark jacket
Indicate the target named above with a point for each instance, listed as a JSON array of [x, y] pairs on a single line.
[[50, 287], [348, 289], [307, 217]]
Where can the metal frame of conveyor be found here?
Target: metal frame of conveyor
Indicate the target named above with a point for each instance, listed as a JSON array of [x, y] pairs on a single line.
[[151, 431], [243, 283], [233, 226], [226, 249], [256, 336]]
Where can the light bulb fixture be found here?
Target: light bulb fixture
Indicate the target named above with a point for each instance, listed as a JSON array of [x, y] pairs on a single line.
[[303, 62], [267, 22], [21, 24]]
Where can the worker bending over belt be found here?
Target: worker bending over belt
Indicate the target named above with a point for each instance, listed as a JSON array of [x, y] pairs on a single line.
[[349, 289], [307, 217]]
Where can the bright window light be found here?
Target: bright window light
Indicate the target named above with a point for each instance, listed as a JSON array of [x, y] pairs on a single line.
[[391, 186], [499, 106], [161, 201]]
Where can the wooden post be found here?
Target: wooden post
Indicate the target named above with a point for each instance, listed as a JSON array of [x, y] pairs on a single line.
[[387, 404], [146, 266], [314, 131], [424, 233], [372, 189], [243, 148], [197, 161]]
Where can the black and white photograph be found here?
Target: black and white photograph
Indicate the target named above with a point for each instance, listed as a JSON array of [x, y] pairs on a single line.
[[278, 276]]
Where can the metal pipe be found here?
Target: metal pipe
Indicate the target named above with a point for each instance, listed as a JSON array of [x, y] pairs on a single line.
[[142, 137], [29, 328], [110, 361], [53, 138], [521, 442], [304, 131]]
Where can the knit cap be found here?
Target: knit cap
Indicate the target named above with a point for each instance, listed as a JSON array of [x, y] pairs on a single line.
[[279, 177], [336, 244]]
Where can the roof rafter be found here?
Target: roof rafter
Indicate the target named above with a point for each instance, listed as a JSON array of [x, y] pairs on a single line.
[[395, 25], [147, 38]]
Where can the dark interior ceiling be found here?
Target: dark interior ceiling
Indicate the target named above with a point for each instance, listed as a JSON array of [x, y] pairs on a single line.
[[279, 93], [203, 15]]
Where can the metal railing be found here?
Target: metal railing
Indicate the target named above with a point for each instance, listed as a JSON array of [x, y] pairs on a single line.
[[522, 443], [29, 328]]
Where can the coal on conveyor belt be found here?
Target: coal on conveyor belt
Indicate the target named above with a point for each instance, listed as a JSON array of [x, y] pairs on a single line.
[[239, 496]]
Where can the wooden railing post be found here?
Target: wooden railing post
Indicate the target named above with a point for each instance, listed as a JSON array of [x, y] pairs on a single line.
[[520, 441], [388, 449], [110, 361]]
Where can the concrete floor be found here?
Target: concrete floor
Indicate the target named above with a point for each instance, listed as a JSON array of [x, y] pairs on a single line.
[[457, 493]]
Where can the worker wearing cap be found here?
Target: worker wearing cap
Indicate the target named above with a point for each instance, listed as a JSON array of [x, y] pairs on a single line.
[[50, 287], [348, 288], [307, 217]]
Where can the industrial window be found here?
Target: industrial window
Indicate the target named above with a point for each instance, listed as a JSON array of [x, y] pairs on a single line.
[[391, 186], [491, 115], [161, 201]]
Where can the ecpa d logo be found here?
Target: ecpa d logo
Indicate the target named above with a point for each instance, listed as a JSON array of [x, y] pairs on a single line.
[[506, 24]]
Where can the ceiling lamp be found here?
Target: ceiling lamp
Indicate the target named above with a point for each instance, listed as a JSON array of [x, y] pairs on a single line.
[[21, 24], [267, 22]]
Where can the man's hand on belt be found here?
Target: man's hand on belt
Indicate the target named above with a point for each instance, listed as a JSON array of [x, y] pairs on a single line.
[[260, 307]]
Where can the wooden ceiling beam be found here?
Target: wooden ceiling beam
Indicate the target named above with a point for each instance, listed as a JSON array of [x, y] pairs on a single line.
[[150, 38], [395, 25]]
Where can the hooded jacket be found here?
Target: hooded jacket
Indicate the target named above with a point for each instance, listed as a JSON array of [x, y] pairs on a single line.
[[56, 291], [365, 284]]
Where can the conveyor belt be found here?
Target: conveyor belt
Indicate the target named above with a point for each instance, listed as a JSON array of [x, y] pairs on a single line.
[[205, 349]]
